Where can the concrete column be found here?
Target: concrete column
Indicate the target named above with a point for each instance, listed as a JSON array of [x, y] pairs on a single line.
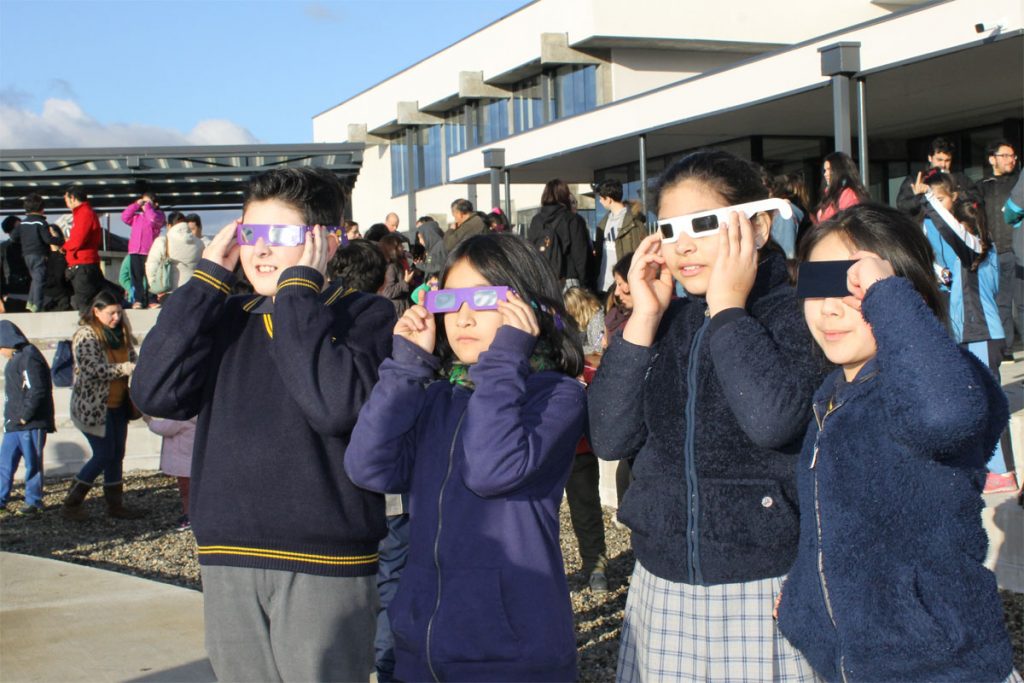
[[642, 143], [410, 170], [840, 61], [862, 131]]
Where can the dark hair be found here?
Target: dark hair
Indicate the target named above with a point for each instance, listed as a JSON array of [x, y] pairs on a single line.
[[349, 224], [359, 265], [506, 260], [496, 222], [621, 267], [104, 298], [315, 192], [424, 219], [376, 231], [175, 217], [971, 214], [463, 206], [152, 198], [610, 188], [892, 235], [417, 251], [941, 145], [391, 246], [937, 178], [33, 203], [792, 187], [10, 223], [77, 192], [993, 147], [556, 192], [194, 218], [844, 175], [736, 180]]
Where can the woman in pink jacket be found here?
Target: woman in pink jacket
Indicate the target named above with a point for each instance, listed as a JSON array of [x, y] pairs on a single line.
[[176, 457], [145, 219], [841, 186]]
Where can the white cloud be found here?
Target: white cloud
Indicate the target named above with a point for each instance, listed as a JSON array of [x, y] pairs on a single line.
[[318, 11], [62, 123]]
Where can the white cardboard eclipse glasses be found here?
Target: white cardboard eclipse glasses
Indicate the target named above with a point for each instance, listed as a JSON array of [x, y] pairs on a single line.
[[708, 223]]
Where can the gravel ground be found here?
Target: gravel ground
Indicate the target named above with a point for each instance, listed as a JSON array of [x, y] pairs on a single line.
[[149, 548]]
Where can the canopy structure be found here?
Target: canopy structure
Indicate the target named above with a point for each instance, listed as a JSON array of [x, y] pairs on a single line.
[[183, 178]]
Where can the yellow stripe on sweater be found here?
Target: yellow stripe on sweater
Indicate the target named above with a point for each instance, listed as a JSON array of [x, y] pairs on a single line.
[[288, 555], [301, 281], [212, 281]]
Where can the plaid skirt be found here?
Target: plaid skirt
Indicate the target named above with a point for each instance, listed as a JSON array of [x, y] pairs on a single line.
[[675, 631]]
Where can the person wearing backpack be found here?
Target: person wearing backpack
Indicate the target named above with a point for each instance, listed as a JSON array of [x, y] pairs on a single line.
[[28, 415], [560, 235]]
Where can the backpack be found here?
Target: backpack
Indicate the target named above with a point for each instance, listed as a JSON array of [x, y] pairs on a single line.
[[62, 371]]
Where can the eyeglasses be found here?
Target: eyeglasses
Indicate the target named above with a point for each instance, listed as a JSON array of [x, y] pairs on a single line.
[[478, 298], [1006, 156], [708, 223], [281, 235]]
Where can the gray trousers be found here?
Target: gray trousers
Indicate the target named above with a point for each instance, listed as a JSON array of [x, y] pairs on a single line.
[[269, 625]]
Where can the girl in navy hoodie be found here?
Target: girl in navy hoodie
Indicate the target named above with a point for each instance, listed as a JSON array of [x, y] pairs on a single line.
[[888, 583], [476, 416], [712, 394]]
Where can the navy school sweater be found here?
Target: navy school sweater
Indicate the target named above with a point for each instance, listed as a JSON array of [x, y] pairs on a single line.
[[484, 595], [714, 412], [277, 387], [888, 583]]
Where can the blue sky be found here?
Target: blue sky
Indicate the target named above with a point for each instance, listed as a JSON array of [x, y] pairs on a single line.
[[94, 73]]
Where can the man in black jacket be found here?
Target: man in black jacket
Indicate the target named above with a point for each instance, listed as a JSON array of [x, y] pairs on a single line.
[[910, 199], [34, 235], [28, 415], [994, 191]]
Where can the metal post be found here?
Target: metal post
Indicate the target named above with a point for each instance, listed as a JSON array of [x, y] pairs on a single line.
[[643, 174], [410, 184], [107, 217], [495, 187], [841, 113], [862, 131], [508, 196]]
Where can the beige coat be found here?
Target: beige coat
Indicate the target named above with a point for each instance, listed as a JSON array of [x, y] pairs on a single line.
[[182, 248]]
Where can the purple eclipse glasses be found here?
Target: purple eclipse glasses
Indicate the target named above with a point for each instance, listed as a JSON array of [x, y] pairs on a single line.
[[478, 298], [282, 235]]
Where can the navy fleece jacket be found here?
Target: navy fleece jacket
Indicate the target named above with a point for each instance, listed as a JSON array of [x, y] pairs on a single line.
[[888, 584], [277, 387], [483, 596], [714, 412]]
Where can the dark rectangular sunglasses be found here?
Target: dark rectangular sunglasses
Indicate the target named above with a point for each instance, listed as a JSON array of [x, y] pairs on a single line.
[[822, 279]]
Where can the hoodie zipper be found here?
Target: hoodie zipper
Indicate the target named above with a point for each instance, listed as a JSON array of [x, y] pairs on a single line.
[[437, 542], [692, 497], [817, 521]]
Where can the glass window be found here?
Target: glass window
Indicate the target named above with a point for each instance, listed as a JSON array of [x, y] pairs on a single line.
[[528, 104], [455, 131], [399, 166], [493, 120], [428, 156], [575, 90]]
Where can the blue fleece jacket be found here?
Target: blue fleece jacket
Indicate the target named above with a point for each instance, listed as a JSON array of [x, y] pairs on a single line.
[[277, 386], [483, 596], [714, 412], [888, 584]]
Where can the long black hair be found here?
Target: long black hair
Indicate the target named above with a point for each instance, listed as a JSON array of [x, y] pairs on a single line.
[[892, 235], [506, 260], [844, 175]]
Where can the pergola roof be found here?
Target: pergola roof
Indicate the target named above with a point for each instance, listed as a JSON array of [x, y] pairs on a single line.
[[184, 178]]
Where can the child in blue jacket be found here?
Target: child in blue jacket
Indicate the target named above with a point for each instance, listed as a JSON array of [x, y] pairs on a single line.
[[484, 454], [888, 583]]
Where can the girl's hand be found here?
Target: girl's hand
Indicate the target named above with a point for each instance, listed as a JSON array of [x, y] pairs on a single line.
[[862, 275], [735, 267], [409, 275], [775, 609], [417, 325], [518, 314], [223, 249], [314, 251], [651, 286]]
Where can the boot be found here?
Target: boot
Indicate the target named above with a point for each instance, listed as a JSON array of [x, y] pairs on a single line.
[[114, 495], [74, 508]]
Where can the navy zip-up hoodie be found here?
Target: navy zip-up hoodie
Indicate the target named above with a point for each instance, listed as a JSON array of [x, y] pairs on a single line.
[[277, 387], [28, 392], [714, 412], [888, 584], [483, 596]]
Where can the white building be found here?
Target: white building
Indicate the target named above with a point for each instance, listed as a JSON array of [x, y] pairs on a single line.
[[567, 88]]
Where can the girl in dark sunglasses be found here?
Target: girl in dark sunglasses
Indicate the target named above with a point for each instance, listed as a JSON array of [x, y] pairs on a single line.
[[476, 416]]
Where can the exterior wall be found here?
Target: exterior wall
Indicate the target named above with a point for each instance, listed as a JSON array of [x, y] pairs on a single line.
[[635, 71]]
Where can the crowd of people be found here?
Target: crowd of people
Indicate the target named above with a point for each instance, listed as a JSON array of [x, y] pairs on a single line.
[[373, 434]]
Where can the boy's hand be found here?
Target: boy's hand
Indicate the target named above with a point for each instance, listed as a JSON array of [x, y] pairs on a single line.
[[314, 251], [862, 275], [417, 325], [735, 267], [518, 314], [223, 249]]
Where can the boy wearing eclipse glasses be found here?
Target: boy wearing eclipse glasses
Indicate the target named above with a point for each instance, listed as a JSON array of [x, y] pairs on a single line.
[[287, 544]]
